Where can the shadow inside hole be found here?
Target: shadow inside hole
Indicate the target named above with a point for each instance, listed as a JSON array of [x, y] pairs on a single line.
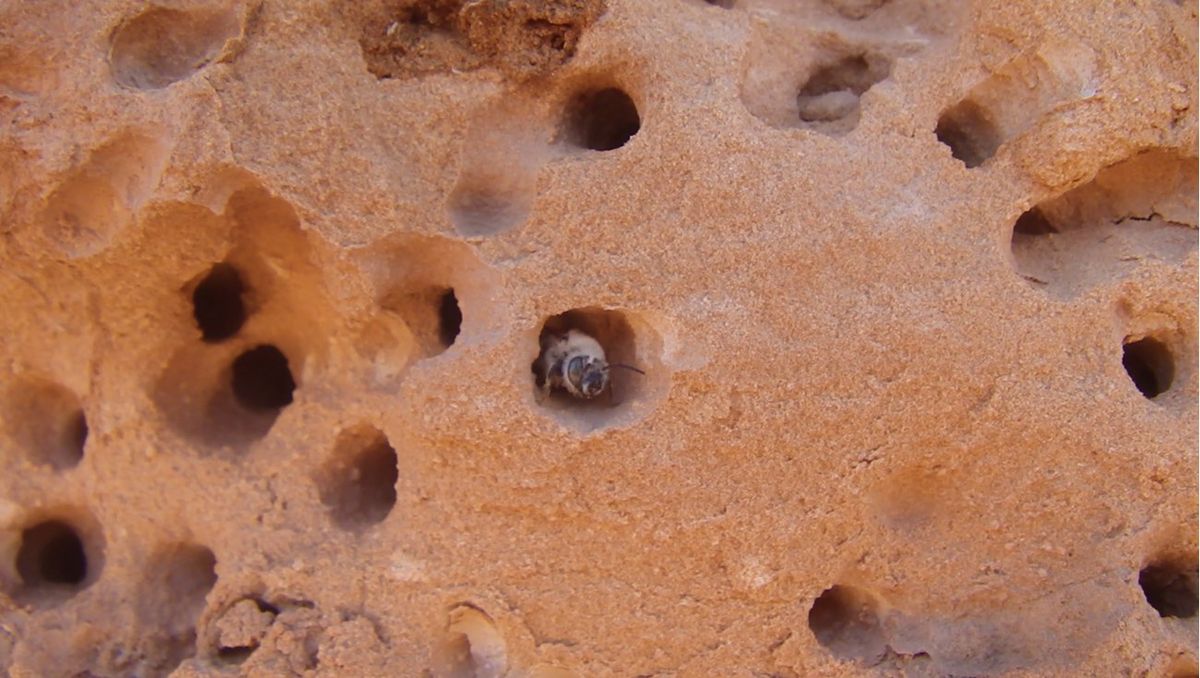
[[619, 343], [830, 99], [217, 303], [222, 397], [845, 621], [236, 655], [449, 318], [359, 484], [75, 438], [602, 120], [51, 555], [970, 133], [262, 380], [241, 628], [1149, 364], [432, 314], [1033, 223], [47, 421], [1171, 589]]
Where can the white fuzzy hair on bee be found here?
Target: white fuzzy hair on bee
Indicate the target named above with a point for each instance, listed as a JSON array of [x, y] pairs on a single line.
[[574, 362]]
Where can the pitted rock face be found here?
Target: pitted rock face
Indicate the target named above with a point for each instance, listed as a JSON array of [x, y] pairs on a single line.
[[906, 292]]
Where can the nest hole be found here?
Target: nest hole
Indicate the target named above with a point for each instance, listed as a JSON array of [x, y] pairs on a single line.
[[618, 343], [432, 314], [1150, 366], [845, 621], [358, 485], [52, 555], [1170, 588], [830, 99], [262, 380], [631, 346], [1033, 223], [967, 128], [217, 303], [162, 46], [602, 120]]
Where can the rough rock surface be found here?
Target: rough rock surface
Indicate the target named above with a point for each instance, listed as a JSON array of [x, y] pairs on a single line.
[[913, 284]]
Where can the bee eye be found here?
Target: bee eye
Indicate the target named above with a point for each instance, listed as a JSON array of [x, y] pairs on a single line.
[[575, 369], [594, 382]]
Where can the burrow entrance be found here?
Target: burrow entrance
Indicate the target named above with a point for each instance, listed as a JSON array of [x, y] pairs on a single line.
[[53, 557], [1170, 587], [358, 485], [624, 339], [602, 119], [1149, 364]]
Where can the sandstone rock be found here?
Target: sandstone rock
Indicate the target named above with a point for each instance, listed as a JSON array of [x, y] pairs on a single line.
[[912, 283]]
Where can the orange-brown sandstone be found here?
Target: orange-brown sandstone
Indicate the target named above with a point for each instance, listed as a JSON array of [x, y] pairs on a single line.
[[913, 284]]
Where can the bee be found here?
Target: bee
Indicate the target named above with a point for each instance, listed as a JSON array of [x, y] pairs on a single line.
[[574, 362]]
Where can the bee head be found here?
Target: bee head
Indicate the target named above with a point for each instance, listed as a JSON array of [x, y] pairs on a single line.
[[586, 376]]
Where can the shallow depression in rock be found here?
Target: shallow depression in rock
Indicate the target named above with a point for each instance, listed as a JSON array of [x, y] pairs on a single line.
[[470, 646], [829, 100], [161, 45], [172, 590], [46, 420]]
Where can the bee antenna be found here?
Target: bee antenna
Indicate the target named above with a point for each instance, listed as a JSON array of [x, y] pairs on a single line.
[[628, 367]]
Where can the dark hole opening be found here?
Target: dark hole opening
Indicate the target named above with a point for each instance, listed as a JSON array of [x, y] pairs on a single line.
[[968, 131], [377, 473], [1149, 365], [603, 120], [262, 379], [1033, 222], [852, 73], [217, 303], [831, 94], [449, 318], [1170, 589], [846, 622], [361, 491], [236, 655], [74, 439], [51, 553]]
